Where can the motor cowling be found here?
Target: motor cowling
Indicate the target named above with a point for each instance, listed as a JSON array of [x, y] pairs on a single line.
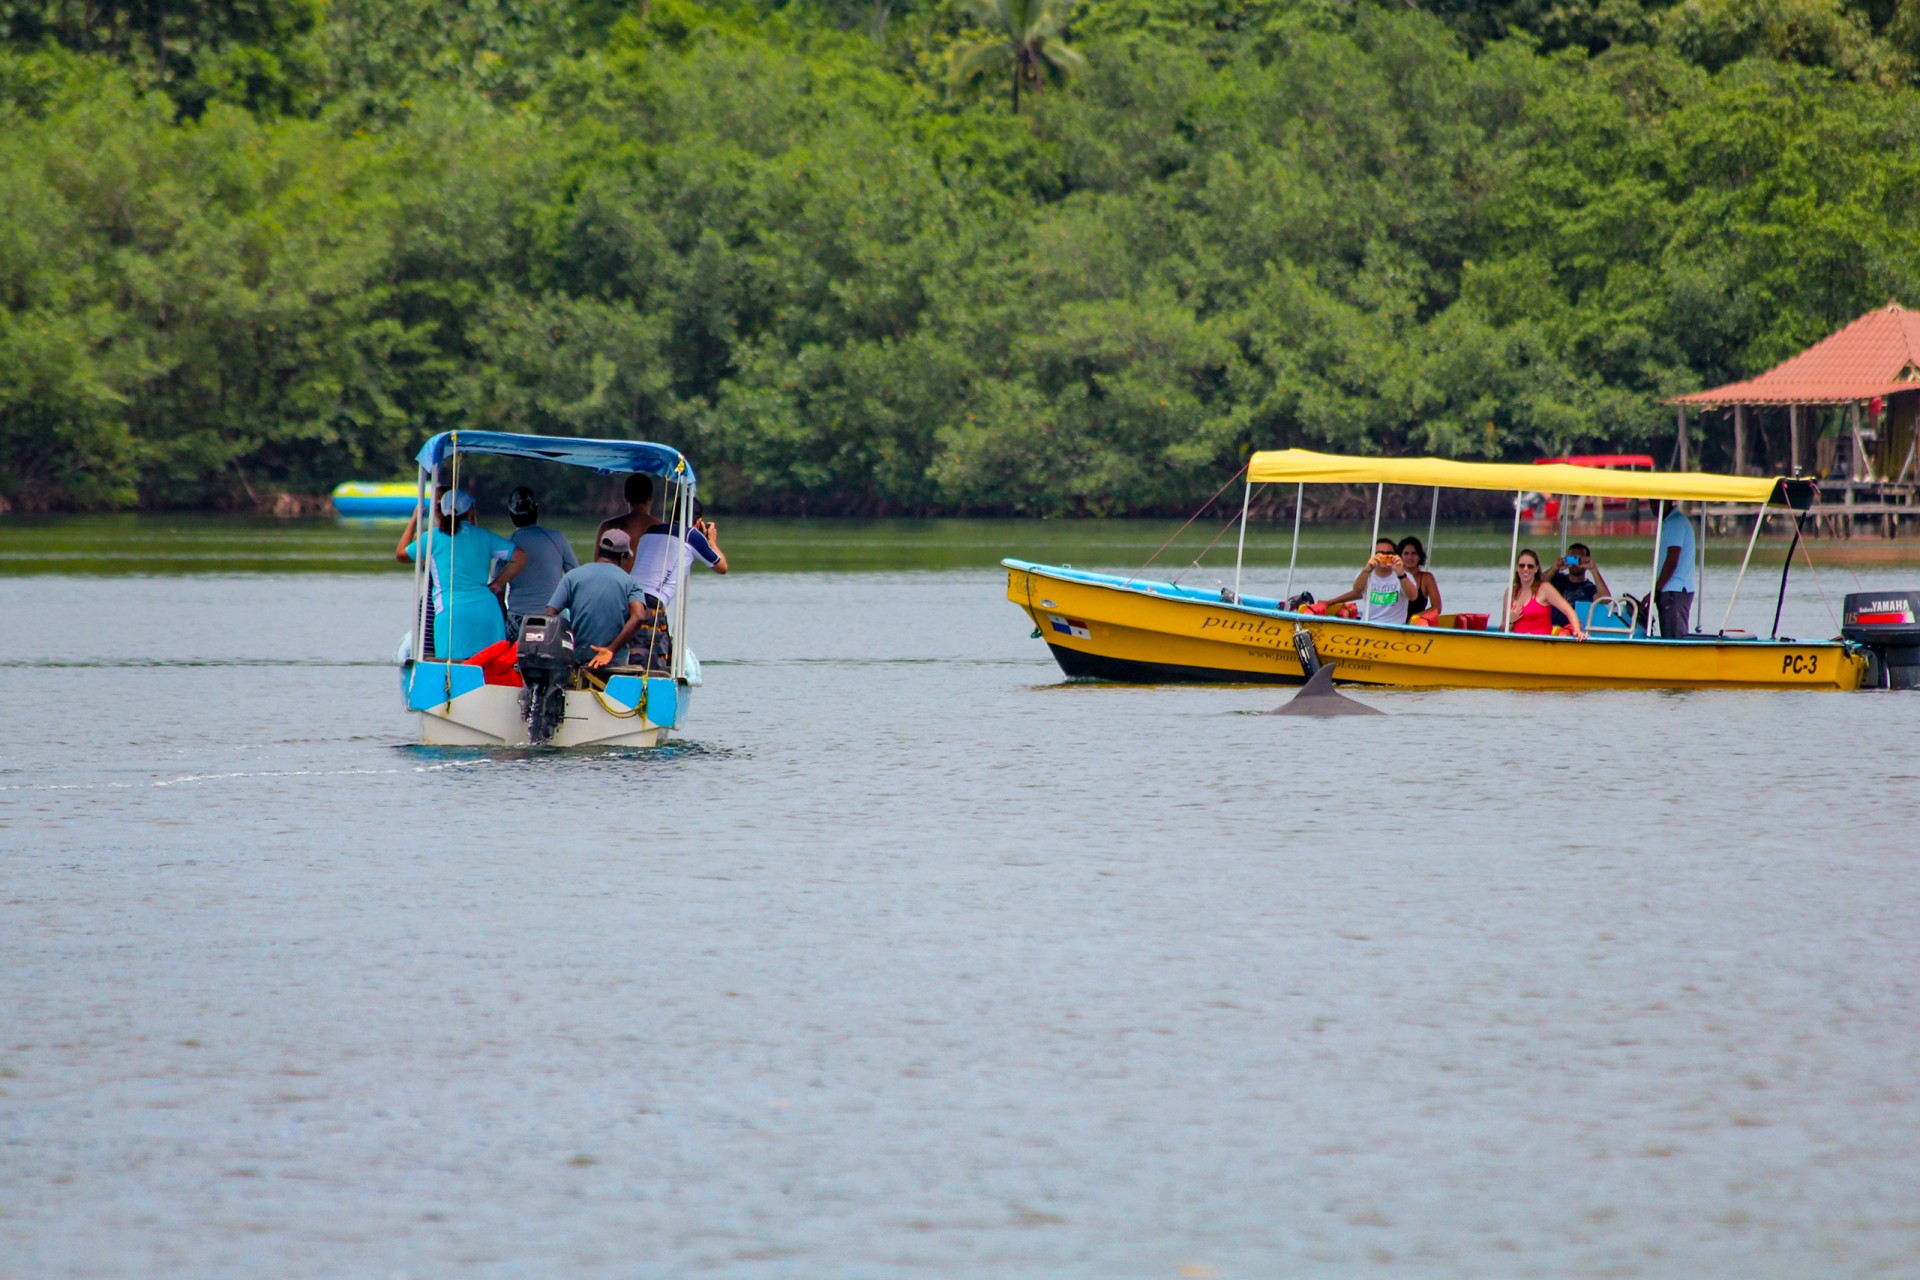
[[546, 647], [1887, 624], [545, 661]]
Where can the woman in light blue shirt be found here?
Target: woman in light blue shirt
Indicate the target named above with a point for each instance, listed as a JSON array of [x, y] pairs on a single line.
[[466, 605]]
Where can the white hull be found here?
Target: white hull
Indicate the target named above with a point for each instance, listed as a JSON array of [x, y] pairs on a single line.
[[455, 711]]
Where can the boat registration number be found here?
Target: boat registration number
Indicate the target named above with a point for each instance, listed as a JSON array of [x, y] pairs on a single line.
[[1799, 664]]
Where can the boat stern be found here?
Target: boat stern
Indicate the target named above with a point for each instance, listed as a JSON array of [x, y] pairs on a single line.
[[457, 708]]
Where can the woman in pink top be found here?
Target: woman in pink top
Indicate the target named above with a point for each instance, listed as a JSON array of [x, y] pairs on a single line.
[[1532, 600]]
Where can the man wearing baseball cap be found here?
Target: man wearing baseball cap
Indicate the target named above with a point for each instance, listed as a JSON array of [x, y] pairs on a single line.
[[603, 603]]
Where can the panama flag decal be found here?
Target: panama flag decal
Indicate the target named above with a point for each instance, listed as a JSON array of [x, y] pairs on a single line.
[[1069, 627]]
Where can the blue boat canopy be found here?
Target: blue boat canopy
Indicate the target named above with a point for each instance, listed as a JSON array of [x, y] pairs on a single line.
[[608, 457]]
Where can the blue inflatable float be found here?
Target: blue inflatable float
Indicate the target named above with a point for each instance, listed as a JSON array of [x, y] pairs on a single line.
[[362, 500]]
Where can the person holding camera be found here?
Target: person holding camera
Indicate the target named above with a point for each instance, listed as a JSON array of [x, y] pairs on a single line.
[[1577, 578], [1383, 588]]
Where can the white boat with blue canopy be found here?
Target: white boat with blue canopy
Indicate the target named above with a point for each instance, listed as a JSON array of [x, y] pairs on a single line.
[[484, 704]]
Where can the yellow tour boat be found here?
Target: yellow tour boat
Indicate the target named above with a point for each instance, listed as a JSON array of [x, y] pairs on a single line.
[[1103, 626]]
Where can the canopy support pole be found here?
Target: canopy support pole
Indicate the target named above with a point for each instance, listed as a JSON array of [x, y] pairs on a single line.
[[1653, 578], [681, 524], [1563, 526], [1299, 496], [1513, 556], [426, 548], [420, 534], [453, 527], [1700, 568], [1379, 497], [1758, 521], [1786, 568], [1241, 554], [1433, 523]]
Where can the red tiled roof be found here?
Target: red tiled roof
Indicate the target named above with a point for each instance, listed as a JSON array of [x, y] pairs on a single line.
[[1876, 355]]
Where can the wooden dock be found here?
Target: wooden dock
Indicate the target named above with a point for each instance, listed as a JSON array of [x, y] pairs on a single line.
[[1846, 509]]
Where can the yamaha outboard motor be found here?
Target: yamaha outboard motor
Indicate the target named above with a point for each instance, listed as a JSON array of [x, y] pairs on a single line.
[[1888, 624], [546, 658]]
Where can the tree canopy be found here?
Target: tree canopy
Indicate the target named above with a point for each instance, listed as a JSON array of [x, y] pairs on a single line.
[[273, 245]]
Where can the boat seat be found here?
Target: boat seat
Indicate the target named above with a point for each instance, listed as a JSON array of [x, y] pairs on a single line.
[[1609, 622]]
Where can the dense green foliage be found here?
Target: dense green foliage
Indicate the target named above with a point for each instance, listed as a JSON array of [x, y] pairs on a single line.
[[274, 246]]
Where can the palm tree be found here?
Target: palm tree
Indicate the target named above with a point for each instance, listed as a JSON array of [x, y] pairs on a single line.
[[1026, 40]]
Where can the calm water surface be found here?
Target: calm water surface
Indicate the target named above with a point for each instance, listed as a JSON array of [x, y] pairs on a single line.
[[914, 959]]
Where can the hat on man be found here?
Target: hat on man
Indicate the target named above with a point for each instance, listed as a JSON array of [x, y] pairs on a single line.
[[615, 542], [455, 502], [521, 502]]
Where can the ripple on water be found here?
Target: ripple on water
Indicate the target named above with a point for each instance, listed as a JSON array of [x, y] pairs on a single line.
[[915, 956]]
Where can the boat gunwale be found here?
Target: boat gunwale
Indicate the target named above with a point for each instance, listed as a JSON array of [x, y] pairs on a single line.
[[1142, 586]]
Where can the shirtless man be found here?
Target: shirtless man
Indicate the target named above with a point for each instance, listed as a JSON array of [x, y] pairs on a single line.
[[639, 515]]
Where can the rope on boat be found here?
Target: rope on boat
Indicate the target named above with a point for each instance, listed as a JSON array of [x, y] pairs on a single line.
[[1195, 564], [613, 708], [1190, 519], [1807, 553], [598, 688], [1821, 501]]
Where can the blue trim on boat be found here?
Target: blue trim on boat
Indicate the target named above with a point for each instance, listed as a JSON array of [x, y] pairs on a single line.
[[663, 701], [434, 684], [628, 691], [608, 457], [1147, 586]]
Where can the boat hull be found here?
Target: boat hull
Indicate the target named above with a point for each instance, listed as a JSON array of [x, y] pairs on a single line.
[[1148, 632], [456, 709]]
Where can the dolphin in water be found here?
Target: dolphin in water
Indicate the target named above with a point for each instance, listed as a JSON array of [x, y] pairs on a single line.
[[1318, 697]]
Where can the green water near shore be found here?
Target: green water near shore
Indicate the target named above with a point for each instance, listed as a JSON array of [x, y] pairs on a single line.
[[197, 544]]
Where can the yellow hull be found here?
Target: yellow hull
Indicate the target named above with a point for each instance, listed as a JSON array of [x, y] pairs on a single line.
[[1151, 632]]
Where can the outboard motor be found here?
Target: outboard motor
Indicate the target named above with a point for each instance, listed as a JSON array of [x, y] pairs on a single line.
[[1309, 655], [546, 659], [1888, 624]]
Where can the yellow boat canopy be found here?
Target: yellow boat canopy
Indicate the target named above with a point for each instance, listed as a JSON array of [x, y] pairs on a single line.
[[1303, 466]]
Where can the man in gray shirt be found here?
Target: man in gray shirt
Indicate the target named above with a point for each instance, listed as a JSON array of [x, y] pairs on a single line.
[[549, 558], [604, 605]]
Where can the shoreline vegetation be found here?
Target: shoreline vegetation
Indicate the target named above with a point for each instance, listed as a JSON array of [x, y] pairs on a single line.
[[909, 257]]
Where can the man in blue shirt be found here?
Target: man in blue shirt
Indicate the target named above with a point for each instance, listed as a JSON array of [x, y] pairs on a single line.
[[549, 558], [603, 603], [1673, 588]]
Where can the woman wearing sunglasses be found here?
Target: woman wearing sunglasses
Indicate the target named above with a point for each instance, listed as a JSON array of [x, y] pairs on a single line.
[[1531, 601]]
